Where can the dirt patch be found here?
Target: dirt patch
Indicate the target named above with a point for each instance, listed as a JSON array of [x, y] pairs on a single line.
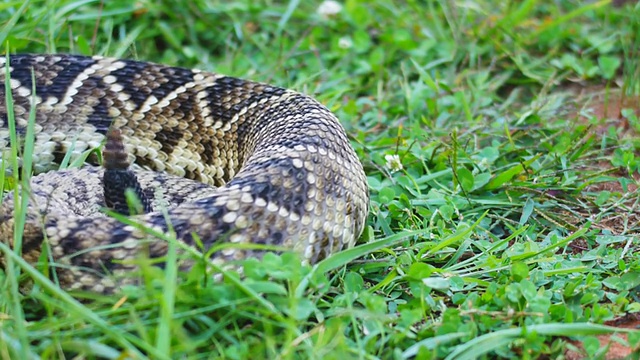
[[616, 350], [620, 3], [604, 106]]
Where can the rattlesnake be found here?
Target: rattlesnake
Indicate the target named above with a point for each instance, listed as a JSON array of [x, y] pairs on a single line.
[[238, 162]]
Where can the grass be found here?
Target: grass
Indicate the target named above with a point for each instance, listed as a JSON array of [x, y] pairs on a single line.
[[504, 219]]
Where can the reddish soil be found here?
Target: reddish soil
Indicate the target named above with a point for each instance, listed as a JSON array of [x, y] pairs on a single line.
[[606, 107], [616, 350]]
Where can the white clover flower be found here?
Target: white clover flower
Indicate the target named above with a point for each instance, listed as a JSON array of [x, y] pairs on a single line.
[[345, 43], [393, 163], [329, 8]]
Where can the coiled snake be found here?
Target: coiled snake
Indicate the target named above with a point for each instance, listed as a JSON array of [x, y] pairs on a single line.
[[267, 166]]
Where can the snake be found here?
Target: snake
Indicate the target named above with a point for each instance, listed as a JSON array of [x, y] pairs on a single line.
[[229, 167]]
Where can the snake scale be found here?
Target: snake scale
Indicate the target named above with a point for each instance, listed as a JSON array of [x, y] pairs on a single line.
[[223, 160]]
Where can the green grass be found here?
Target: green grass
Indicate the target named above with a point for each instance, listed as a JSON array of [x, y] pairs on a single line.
[[506, 225]]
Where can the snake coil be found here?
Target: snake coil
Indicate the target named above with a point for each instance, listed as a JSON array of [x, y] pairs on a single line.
[[221, 160]]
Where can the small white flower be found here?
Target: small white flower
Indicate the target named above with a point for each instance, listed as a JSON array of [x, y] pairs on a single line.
[[345, 43], [393, 163], [329, 8]]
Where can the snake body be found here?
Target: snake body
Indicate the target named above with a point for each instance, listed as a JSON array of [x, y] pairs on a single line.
[[236, 162]]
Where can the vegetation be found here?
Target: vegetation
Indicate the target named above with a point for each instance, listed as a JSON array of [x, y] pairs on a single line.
[[499, 140]]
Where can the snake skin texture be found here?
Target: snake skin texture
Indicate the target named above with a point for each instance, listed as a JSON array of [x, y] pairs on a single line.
[[224, 160]]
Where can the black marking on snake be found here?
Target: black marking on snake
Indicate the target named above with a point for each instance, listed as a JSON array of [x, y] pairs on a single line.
[[126, 77], [130, 73], [78, 183], [214, 214], [35, 244], [59, 153], [169, 138], [193, 174], [276, 238], [226, 87], [100, 117], [145, 162], [178, 76], [77, 255], [208, 152], [291, 199], [70, 69], [22, 67]]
